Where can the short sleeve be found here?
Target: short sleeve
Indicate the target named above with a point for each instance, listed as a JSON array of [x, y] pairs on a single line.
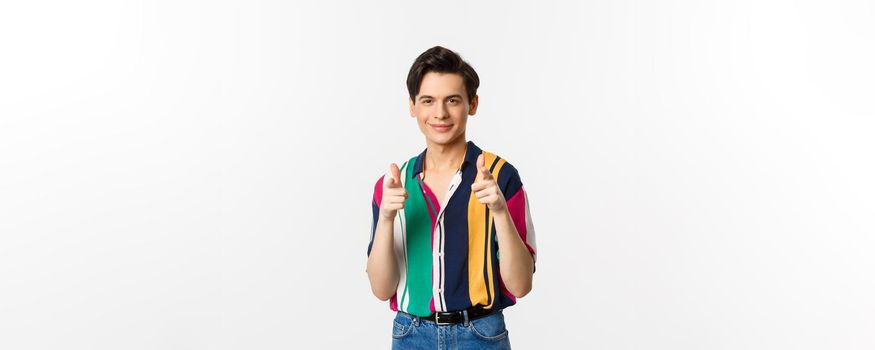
[[518, 207], [375, 208]]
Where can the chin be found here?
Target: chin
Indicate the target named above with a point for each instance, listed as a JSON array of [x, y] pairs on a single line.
[[443, 139]]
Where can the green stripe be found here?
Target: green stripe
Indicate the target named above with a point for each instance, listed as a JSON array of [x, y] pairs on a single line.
[[418, 246]]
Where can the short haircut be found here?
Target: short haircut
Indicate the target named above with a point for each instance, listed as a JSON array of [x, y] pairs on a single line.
[[441, 60]]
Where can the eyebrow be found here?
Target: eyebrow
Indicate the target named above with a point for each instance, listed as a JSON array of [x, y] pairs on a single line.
[[448, 97]]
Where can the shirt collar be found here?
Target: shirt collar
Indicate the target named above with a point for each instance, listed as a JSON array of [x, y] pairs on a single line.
[[471, 154]]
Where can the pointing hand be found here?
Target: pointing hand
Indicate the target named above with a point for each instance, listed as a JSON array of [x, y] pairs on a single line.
[[486, 189], [393, 194]]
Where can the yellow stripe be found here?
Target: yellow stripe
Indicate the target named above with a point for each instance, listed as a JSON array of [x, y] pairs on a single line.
[[489, 240], [478, 241]]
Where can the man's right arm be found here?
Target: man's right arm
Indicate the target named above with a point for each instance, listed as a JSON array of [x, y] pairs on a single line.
[[382, 267]]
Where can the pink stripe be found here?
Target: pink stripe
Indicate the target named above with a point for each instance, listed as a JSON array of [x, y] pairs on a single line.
[[516, 206], [429, 195], [437, 207], [378, 191]]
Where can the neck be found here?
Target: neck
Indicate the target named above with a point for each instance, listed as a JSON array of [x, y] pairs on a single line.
[[446, 157]]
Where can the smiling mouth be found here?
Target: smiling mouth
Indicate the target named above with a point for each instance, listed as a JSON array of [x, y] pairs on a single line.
[[441, 127]]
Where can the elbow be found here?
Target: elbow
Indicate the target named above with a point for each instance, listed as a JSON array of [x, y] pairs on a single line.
[[383, 296], [382, 293], [382, 289], [521, 291]]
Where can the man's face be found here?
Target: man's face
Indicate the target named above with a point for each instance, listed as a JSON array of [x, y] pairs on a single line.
[[442, 107]]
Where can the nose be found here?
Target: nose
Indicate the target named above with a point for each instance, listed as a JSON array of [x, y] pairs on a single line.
[[441, 112]]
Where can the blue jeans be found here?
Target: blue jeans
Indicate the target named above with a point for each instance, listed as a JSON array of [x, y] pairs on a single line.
[[411, 332]]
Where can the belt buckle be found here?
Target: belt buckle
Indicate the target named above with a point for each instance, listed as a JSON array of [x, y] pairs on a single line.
[[437, 319]]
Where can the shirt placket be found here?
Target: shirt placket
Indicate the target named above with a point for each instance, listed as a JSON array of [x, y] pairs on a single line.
[[438, 251]]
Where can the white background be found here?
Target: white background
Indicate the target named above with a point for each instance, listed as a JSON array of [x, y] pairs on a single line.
[[198, 175]]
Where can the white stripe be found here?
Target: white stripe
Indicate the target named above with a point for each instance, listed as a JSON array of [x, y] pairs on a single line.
[[435, 264], [439, 268], [400, 238], [443, 277], [435, 277]]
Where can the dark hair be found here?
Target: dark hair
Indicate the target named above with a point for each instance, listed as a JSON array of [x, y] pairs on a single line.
[[441, 60]]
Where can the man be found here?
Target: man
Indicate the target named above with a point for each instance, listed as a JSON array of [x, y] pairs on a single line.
[[452, 241]]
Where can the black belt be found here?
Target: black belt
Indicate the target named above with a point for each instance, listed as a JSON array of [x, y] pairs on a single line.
[[452, 317]]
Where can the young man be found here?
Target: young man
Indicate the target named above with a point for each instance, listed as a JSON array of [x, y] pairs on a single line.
[[452, 241]]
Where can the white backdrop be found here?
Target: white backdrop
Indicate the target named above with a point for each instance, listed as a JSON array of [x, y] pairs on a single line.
[[198, 174]]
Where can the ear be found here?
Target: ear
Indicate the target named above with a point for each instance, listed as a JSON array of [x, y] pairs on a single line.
[[473, 107], [410, 102]]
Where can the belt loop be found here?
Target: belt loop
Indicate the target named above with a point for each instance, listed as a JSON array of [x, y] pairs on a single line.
[[415, 320], [465, 315]]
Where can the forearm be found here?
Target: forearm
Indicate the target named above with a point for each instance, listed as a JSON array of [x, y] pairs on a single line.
[[515, 260], [382, 268]]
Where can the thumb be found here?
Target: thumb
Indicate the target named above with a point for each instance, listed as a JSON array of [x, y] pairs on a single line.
[[394, 178]]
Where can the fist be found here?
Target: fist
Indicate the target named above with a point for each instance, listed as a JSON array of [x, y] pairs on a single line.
[[393, 194], [486, 189]]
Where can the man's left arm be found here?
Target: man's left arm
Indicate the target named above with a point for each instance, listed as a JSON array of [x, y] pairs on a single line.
[[517, 263]]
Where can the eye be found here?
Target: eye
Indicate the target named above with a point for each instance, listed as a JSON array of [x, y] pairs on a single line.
[[454, 100]]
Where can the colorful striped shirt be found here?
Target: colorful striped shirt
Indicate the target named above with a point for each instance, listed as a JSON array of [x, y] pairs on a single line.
[[447, 253]]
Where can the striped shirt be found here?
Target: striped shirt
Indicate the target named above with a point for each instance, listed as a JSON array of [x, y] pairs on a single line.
[[447, 253]]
